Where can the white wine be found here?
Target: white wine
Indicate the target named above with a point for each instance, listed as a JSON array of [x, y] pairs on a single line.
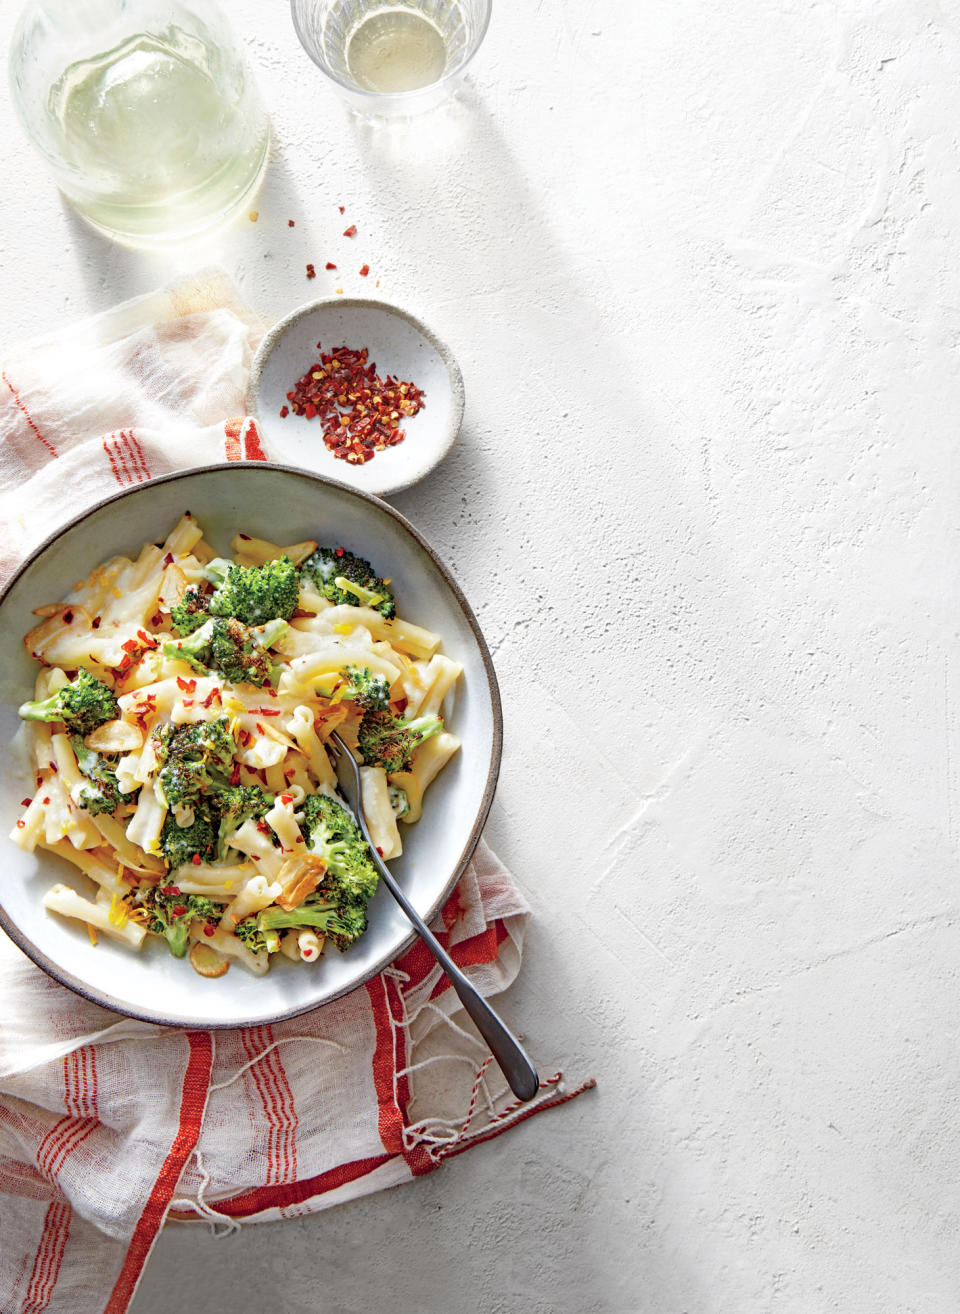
[[159, 136], [394, 50]]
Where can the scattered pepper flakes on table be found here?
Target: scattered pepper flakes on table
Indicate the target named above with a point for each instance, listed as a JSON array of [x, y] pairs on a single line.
[[340, 208], [330, 265], [364, 270], [311, 272], [290, 223], [360, 411], [351, 231]]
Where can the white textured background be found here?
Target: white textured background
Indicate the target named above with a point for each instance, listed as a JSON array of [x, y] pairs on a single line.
[[699, 264]]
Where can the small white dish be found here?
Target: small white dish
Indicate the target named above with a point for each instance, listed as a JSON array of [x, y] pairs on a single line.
[[399, 344]]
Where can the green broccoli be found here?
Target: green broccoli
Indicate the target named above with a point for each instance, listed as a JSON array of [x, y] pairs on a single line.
[[254, 594], [236, 804], [338, 905], [237, 651], [192, 758], [388, 741], [257, 941], [192, 611], [81, 705], [170, 913], [341, 922], [179, 844], [102, 794], [347, 579], [369, 691]]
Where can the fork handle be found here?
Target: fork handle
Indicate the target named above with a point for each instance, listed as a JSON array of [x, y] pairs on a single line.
[[504, 1046]]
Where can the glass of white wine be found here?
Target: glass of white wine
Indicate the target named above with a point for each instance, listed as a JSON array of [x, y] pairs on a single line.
[[144, 111], [391, 57]]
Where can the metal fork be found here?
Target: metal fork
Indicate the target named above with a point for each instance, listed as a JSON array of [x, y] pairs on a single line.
[[504, 1046]]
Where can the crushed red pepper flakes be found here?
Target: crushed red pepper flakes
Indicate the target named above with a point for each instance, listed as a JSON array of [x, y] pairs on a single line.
[[351, 231], [364, 270], [311, 272], [329, 265], [290, 223], [340, 208], [360, 411]]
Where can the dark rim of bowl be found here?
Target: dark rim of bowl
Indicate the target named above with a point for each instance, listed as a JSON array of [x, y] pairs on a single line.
[[118, 1006]]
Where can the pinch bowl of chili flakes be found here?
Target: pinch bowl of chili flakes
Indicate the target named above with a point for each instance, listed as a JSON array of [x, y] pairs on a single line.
[[359, 391]]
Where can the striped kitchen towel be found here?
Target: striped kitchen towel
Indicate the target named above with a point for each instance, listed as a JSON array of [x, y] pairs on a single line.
[[109, 1126]]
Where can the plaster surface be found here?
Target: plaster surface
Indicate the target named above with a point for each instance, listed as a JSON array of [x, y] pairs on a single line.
[[698, 263]]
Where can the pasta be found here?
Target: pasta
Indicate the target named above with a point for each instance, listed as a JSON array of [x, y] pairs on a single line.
[[178, 736]]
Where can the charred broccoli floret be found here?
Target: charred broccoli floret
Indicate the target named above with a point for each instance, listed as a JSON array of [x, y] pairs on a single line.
[[342, 922], [81, 705], [254, 594], [169, 913], [369, 691], [100, 791], [237, 804], [344, 578], [179, 844], [193, 758], [236, 651], [192, 611], [388, 741], [350, 880]]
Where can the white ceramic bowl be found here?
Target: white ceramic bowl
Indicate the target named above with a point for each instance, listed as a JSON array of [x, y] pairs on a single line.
[[399, 345], [290, 505]]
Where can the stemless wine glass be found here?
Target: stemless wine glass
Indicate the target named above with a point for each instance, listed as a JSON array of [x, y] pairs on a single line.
[[143, 110], [391, 58]]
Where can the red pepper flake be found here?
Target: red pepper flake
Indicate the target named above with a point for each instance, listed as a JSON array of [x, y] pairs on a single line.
[[284, 412], [156, 618], [25, 802], [286, 799], [311, 272], [209, 930], [20, 823], [126, 661], [379, 850], [263, 828], [212, 697], [188, 702], [39, 779], [339, 552], [45, 800], [168, 559], [364, 270], [235, 775], [289, 773], [188, 686], [146, 639], [68, 618], [360, 411], [291, 224], [53, 767], [269, 711], [351, 231], [329, 265], [340, 208], [131, 646], [96, 623], [261, 728], [244, 736]]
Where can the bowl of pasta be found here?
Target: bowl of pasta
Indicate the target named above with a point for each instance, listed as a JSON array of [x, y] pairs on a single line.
[[175, 661]]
